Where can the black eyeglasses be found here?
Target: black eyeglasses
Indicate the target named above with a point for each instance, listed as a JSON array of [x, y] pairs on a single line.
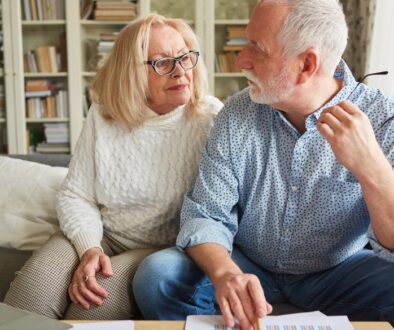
[[365, 77], [166, 65], [362, 79]]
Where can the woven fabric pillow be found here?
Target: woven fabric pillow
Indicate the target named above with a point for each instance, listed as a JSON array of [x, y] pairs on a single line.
[[27, 202]]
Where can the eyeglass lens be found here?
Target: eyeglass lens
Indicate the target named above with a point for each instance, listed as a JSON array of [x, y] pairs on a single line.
[[167, 65]]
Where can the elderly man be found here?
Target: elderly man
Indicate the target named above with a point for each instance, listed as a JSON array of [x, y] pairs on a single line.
[[296, 176]]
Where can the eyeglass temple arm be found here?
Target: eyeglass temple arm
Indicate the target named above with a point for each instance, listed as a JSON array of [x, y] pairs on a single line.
[[362, 79], [381, 73]]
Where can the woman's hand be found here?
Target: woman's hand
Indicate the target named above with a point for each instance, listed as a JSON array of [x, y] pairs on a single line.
[[84, 288], [241, 295]]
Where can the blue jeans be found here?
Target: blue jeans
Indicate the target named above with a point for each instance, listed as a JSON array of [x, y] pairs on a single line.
[[169, 285]]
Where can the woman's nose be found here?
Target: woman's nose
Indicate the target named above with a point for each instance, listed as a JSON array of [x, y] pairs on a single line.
[[178, 70]]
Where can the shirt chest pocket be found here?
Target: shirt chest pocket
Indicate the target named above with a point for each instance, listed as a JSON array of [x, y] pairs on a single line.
[[342, 199]]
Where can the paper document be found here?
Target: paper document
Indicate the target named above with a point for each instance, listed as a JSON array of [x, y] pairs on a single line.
[[104, 325], [298, 321]]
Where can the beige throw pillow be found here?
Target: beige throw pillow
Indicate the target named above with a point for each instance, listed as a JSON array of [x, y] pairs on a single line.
[[27, 202]]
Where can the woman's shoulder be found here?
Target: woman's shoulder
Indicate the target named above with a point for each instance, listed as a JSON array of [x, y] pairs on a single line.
[[96, 115], [212, 104]]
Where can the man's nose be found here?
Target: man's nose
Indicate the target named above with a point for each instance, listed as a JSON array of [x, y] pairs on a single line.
[[243, 61]]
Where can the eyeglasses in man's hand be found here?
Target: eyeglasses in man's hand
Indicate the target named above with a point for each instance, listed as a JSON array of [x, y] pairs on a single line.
[[362, 79]]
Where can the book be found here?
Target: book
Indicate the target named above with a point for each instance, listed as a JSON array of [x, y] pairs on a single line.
[[86, 9], [43, 61], [120, 12], [114, 18], [26, 10], [236, 31], [33, 9], [39, 85], [231, 48], [45, 147], [115, 5], [41, 93], [52, 59]]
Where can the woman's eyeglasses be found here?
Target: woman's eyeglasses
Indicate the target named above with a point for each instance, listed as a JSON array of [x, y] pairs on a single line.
[[166, 65]]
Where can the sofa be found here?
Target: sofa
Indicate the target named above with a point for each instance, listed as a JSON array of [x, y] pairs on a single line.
[[12, 259]]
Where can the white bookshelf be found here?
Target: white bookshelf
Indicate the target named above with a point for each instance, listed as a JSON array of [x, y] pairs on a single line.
[[21, 35]]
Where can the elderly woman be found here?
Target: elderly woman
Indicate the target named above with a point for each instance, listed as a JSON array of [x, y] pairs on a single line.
[[137, 155]]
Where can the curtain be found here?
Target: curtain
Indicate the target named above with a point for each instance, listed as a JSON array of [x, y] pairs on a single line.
[[360, 15]]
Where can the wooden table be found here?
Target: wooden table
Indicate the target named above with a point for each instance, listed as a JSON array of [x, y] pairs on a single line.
[[180, 325]]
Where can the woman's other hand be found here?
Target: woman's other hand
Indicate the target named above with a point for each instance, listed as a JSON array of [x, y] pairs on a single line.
[[84, 288]]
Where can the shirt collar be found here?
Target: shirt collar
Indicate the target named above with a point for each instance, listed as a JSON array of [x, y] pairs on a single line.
[[343, 73]]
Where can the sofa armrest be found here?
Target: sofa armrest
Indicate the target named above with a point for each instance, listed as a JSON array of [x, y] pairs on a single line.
[[11, 260]]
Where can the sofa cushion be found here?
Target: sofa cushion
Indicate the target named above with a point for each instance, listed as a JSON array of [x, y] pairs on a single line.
[[27, 202]]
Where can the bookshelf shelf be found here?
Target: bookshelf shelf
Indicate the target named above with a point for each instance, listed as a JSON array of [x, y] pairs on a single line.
[[47, 120], [231, 21], [45, 74], [44, 22], [88, 74], [2, 120], [103, 23]]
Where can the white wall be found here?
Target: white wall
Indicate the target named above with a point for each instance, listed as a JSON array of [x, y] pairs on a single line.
[[382, 52]]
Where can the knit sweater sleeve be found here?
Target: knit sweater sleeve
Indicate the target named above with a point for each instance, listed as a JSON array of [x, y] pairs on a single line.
[[77, 207]]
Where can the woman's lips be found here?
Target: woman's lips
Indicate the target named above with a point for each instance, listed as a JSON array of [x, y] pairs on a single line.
[[179, 87]]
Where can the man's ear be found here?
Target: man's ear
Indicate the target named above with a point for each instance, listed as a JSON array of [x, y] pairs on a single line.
[[309, 62]]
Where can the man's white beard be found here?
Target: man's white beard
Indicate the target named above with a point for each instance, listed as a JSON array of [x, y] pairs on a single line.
[[271, 92]]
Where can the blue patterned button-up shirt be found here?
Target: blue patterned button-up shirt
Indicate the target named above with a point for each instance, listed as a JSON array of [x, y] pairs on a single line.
[[280, 196]]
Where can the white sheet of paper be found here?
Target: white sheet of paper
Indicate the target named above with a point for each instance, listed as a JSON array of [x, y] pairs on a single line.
[[105, 325], [298, 321]]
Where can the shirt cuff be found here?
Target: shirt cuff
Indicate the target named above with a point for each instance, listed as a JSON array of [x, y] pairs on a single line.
[[202, 230], [379, 249], [85, 241]]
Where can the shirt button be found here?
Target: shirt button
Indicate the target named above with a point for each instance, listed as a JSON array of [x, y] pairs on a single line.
[[294, 188]]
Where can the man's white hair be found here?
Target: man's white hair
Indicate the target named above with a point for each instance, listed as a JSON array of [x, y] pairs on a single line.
[[318, 24]]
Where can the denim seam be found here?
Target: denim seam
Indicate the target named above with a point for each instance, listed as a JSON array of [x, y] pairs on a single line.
[[194, 294]]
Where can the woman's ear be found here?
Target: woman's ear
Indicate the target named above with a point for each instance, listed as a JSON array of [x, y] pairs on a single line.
[[309, 62]]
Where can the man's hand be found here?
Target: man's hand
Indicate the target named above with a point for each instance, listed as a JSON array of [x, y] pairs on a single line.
[[351, 137], [84, 288], [241, 295]]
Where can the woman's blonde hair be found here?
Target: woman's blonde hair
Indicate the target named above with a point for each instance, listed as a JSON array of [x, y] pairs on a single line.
[[121, 85]]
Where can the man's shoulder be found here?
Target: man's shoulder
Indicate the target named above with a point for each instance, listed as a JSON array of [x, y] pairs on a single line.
[[370, 96], [378, 106], [212, 104]]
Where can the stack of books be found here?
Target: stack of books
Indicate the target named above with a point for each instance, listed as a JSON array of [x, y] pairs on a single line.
[[236, 40], [57, 139], [46, 99], [116, 10], [104, 47]]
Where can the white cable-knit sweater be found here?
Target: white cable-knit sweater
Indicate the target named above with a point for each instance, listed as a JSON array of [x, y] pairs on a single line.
[[131, 183]]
